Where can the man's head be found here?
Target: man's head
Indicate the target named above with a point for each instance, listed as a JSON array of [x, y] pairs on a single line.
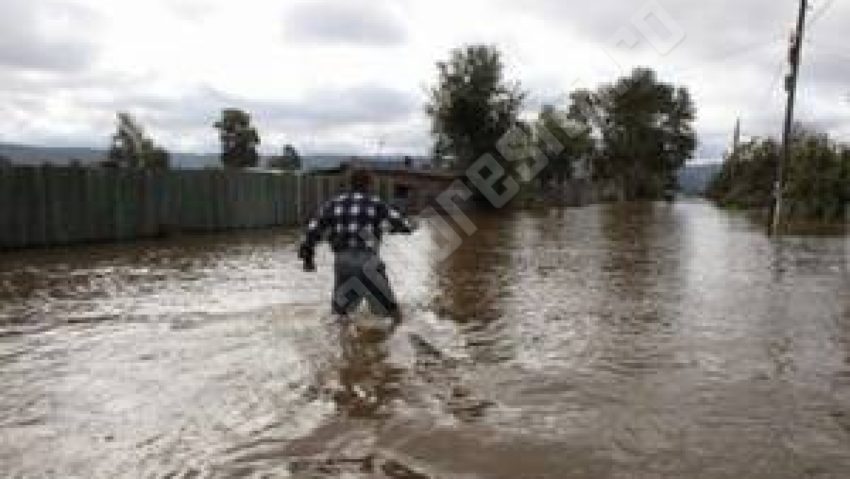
[[361, 180]]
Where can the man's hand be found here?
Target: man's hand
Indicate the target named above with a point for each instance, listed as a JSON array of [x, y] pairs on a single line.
[[309, 266], [306, 254]]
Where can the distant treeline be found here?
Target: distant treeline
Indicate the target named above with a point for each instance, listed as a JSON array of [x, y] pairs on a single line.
[[817, 177]]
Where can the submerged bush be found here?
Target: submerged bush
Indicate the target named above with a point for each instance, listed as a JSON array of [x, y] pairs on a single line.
[[817, 180]]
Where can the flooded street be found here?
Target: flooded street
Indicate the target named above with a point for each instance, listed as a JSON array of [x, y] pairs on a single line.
[[634, 341]]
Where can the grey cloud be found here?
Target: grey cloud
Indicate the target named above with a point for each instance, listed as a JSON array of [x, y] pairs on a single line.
[[46, 36], [330, 120], [826, 123], [710, 27], [45, 56], [319, 109], [827, 65], [733, 52], [324, 116], [363, 104], [717, 32], [333, 22], [343, 121]]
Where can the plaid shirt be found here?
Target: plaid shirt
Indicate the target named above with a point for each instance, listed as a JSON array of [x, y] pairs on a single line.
[[353, 221]]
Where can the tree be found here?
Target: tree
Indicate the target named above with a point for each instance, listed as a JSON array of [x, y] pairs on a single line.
[[130, 147], [239, 139], [157, 158], [574, 143], [746, 179], [472, 106], [645, 128], [127, 143], [818, 177], [289, 160], [5, 162]]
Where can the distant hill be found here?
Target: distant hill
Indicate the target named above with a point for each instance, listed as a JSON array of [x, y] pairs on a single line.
[[34, 155], [694, 179], [37, 155]]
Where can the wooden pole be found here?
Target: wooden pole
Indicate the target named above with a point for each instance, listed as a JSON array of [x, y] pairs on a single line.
[[791, 88]]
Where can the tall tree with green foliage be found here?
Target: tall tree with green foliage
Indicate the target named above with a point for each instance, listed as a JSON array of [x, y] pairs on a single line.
[[289, 160], [131, 148], [239, 139], [645, 130], [574, 143], [472, 105]]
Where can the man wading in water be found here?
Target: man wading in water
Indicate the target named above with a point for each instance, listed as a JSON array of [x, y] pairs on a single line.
[[354, 223]]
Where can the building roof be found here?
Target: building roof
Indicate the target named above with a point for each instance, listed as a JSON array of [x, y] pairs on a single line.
[[390, 169]]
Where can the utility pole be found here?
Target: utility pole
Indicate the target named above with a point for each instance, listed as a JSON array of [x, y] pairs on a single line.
[[736, 137], [794, 55], [736, 145]]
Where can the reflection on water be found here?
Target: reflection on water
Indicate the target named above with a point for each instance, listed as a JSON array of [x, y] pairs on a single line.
[[633, 341]]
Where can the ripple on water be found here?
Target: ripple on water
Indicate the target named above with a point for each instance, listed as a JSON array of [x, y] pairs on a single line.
[[604, 342]]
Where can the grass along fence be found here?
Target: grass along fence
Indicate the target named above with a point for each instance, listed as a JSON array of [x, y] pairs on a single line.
[[48, 206]]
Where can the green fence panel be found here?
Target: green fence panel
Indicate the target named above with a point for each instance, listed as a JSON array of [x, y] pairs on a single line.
[[188, 207], [77, 216], [105, 210], [207, 201], [34, 219], [150, 216], [123, 205], [222, 202], [45, 206], [6, 206], [14, 204]]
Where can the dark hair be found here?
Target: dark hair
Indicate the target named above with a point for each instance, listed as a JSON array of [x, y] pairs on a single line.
[[361, 180]]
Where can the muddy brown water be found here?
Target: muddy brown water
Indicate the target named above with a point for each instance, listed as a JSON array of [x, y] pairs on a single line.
[[634, 341]]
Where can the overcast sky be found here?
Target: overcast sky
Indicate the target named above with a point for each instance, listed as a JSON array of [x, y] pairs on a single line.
[[351, 76]]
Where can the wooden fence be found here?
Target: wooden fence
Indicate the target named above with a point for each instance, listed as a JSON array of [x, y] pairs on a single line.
[[46, 206]]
